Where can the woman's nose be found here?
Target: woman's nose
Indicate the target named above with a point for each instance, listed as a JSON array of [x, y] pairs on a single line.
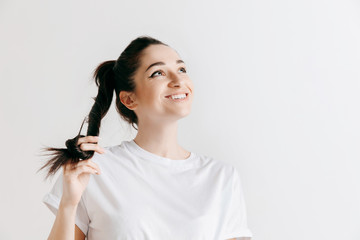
[[175, 78]]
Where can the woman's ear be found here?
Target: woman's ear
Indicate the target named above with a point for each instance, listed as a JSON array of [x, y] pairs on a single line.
[[128, 99]]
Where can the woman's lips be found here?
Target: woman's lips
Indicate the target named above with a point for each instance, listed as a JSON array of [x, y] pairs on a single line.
[[178, 99]]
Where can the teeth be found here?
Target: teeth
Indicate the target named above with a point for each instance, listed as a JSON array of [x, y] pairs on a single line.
[[180, 96]]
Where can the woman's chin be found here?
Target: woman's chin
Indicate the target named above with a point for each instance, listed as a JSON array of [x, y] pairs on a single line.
[[177, 115]]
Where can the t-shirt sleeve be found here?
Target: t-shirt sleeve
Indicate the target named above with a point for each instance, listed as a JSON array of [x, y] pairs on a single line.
[[236, 217], [52, 201]]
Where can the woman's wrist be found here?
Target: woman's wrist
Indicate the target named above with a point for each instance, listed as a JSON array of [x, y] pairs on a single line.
[[68, 207]]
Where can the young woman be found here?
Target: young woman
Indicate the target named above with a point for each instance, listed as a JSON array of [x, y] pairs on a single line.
[[150, 187]]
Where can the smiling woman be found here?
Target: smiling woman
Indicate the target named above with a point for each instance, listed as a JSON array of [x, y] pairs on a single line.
[[148, 187], [161, 74]]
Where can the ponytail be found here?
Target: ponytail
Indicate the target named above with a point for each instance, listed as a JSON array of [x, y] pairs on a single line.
[[105, 80]]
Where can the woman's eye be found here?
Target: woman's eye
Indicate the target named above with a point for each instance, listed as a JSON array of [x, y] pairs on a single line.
[[183, 69], [155, 74], [159, 73]]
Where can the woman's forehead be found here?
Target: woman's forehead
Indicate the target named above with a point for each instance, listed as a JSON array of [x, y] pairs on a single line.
[[159, 52]]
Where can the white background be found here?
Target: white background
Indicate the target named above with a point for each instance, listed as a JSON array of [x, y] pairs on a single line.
[[276, 94]]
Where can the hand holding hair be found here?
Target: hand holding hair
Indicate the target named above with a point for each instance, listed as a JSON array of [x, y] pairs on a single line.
[[104, 79], [76, 176], [72, 154]]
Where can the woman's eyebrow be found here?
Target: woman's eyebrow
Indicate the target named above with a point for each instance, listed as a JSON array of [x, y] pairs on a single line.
[[162, 63]]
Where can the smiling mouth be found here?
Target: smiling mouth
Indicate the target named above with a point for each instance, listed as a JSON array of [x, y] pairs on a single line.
[[178, 99]]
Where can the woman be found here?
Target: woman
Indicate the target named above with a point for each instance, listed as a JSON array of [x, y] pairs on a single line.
[[149, 187]]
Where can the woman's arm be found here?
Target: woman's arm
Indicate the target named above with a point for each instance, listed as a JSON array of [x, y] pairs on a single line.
[[75, 180], [64, 227]]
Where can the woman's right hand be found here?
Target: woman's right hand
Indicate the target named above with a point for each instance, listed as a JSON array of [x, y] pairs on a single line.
[[75, 179]]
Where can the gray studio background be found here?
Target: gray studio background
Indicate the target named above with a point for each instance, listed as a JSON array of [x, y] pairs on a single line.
[[276, 94]]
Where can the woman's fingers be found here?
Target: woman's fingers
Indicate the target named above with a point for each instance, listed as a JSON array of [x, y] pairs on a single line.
[[89, 143], [89, 163], [91, 146], [85, 169], [82, 166], [93, 139]]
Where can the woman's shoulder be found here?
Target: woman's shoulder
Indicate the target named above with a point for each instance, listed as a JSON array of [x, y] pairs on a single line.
[[216, 163]]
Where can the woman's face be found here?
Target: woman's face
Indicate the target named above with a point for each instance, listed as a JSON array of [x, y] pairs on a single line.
[[161, 74]]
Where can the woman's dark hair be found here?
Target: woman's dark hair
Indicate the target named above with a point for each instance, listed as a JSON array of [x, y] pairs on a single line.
[[109, 76]]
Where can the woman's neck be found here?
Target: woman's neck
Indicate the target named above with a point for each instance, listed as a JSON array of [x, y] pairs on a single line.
[[161, 139]]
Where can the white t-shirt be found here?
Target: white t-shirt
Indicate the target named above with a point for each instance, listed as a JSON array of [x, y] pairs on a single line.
[[143, 196]]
